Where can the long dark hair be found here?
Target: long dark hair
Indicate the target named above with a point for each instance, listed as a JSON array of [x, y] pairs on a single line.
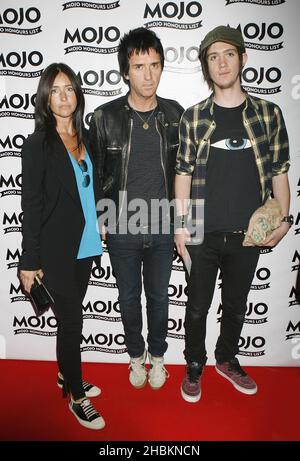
[[138, 40], [44, 118]]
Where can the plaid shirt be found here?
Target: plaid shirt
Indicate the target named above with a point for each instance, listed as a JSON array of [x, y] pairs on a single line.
[[267, 133]]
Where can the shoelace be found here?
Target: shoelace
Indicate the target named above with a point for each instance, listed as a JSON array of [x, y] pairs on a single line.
[[235, 366], [137, 367], [88, 409], [194, 373], [157, 368], [86, 385]]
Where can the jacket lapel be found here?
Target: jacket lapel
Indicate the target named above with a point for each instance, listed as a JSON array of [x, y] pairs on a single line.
[[96, 181]]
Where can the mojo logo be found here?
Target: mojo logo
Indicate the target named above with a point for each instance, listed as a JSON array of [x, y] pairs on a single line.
[[16, 293], [91, 80], [257, 76], [13, 222], [175, 292], [296, 259], [20, 17], [255, 314], [35, 325], [108, 343], [12, 60], [104, 247], [257, 2], [294, 328], [92, 5], [12, 258], [92, 36], [12, 145], [12, 184], [18, 101], [293, 294], [262, 274], [252, 347], [297, 220], [88, 117], [263, 31], [266, 250], [174, 10], [177, 262], [101, 277], [101, 310], [175, 329], [179, 56]]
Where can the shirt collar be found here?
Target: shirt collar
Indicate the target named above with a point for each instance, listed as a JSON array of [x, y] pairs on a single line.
[[250, 102]]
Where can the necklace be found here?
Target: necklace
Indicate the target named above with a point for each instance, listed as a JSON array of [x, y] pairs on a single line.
[[145, 122], [75, 148]]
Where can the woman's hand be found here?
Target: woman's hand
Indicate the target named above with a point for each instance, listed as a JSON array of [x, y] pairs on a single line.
[[27, 278]]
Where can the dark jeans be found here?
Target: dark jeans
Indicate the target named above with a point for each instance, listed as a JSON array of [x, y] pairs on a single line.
[[237, 265], [68, 310], [149, 258]]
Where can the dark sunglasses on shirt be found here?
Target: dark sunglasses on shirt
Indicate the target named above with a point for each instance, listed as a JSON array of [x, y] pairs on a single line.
[[86, 177]]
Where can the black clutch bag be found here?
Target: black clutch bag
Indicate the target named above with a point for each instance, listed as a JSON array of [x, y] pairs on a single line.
[[40, 297]]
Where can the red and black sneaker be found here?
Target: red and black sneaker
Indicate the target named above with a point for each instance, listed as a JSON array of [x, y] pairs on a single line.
[[237, 376], [191, 384]]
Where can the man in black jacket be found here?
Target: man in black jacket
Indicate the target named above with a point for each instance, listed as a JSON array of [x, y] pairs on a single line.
[[134, 140]]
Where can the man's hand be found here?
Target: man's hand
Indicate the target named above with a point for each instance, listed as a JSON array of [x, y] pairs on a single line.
[[276, 235], [182, 236]]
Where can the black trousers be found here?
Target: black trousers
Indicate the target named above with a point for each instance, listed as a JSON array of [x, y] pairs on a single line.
[[68, 311], [222, 251]]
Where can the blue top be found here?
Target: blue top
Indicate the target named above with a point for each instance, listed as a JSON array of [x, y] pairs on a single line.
[[90, 244]]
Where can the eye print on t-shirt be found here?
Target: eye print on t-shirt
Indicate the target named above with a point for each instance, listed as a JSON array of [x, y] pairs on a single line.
[[233, 143]]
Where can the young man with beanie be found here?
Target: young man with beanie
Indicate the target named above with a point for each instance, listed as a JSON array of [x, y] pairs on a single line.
[[135, 140], [233, 153]]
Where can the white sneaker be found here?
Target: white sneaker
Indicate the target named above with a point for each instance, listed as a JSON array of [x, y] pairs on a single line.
[[157, 374], [138, 372]]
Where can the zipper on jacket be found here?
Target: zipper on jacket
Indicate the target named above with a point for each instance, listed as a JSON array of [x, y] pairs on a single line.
[[161, 159], [126, 167]]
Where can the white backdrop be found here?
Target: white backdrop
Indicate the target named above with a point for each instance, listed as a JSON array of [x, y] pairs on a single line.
[[85, 35]]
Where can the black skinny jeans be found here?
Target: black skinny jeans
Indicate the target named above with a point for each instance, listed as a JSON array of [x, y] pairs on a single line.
[[68, 311], [222, 251]]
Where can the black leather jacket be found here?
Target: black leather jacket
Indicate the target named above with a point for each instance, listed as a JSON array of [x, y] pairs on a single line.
[[110, 139]]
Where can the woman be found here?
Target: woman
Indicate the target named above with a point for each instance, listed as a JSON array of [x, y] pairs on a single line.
[[60, 238]]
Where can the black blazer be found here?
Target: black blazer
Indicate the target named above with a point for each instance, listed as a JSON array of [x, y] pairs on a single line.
[[53, 219]]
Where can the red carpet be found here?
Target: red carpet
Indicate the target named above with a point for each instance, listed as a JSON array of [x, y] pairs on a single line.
[[32, 408]]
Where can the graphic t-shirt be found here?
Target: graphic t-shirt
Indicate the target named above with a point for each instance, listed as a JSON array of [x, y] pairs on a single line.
[[232, 181]]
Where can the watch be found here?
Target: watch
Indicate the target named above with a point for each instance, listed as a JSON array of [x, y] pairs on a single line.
[[289, 219]]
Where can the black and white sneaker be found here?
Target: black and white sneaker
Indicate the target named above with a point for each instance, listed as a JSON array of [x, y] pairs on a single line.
[[86, 414], [90, 389]]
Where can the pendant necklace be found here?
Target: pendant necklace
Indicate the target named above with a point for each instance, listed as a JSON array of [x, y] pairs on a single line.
[[145, 122]]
